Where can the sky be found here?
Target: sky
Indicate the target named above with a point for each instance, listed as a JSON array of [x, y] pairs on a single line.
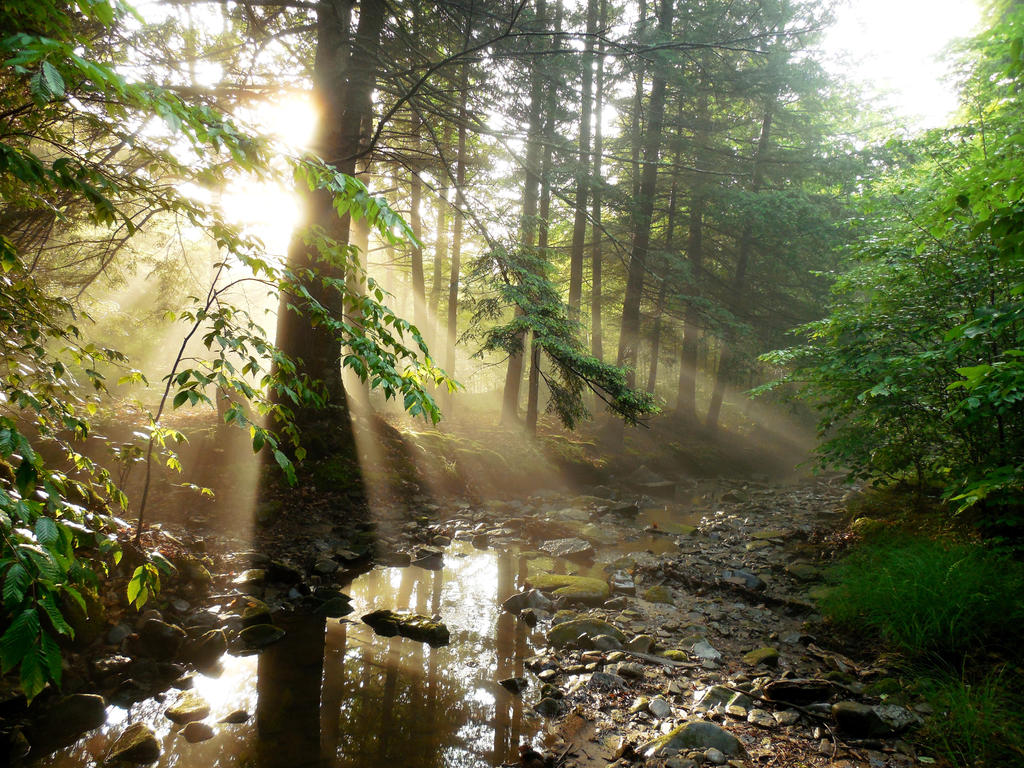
[[896, 46]]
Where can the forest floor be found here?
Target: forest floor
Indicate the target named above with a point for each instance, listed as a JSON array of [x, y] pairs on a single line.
[[670, 612]]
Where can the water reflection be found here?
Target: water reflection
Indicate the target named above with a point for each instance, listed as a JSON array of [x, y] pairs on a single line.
[[334, 695]]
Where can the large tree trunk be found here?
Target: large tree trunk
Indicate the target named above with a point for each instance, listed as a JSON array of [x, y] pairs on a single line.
[[343, 80], [596, 336], [579, 227], [644, 209], [725, 356], [528, 228], [670, 228]]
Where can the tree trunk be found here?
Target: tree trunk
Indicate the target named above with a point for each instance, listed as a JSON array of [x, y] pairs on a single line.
[[440, 255], [528, 227], [652, 375], [596, 336], [726, 355], [419, 289], [579, 227], [644, 209]]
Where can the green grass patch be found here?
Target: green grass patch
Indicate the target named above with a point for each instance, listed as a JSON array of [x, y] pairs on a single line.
[[975, 722], [928, 598]]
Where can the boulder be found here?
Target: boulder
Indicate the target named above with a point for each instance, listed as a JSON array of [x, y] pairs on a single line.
[[694, 734], [861, 720], [67, 719], [422, 629], [136, 744], [566, 632], [577, 589], [210, 646]]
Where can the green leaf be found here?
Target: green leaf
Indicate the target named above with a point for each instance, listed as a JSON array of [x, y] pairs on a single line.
[[16, 585], [55, 616], [47, 532], [19, 639]]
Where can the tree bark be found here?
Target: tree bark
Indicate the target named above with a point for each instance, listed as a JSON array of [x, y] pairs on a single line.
[[579, 227], [670, 227], [644, 209], [596, 335], [726, 355]]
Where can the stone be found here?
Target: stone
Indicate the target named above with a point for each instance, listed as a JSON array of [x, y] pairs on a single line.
[[574, 589], [521, 601], [325, 566], [118, 633], [895, 716], [606, 643], [743, 579], [255, 612], [803, 571], [658, 594], [769, 657], [196, 732], [189, 706], [761, 718], [422, 629], [714, 756], [659, 707], [567, 632], [572, 547], [675, 654], [280, 572], [703, 650], [209, 647], [641, 644], [335, 607], [630, 669], [694, 734], [720, 697], [529, 617], [429, 559], [787, 717], [67, 719], [160, 640], [514, 684], [548, 707], [193, 570], [798, 692], [733, 496], [606, 680], [859, 720], [136, 744], [235, 717], [622, 583], [259, 636]]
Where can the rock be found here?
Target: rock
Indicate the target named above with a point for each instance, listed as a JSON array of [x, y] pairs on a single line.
[[734, 496], [896, 717], [576, 589], [567, 632], [803, 571], [787, 717], [429, 559], [208, 648], [622, 583], [571, 548], [529, 617], [606, 643], [160, 640], [196, 732], [548, 707], [743, 579], [720, 697], [674, 529], [411, 625], [280, 572], [680, 762], [118, 633], [111, 665], [67, 719], [606, 680], [859, 720], [659, 707], [769, 657], [615, 604], [714, 756], [694, 734], [259, 636], [255, 612], [675, 654], [193, 570], [761, 718], [630, 669], [703, 650], [325, 566], [514, 684], [136, 744], [335, 607], [521, 601], [641, 644], [798, 692], [771, 533], [235, 717], [250, 580], [658, 594], [187, 707]]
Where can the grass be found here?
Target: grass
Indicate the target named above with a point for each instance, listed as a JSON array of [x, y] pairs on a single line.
[[928, 598]]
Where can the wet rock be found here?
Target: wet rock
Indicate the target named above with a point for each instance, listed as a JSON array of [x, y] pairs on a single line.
[[622, 583], [335, 607], [514, 684], [188, 707], [529, 617], [769, 657], [395, 559], [429, 558], [67, 719], [255, 612], [858, 719], [703, 650], [567, 632], [606, 643], [208, 648], [658, 594], [136, 744], [743, 579], [659, 707], [259, 636], [694, 734], [641, 644], [195, 732], [548, 707], [194, 571], [111, 665], [325, 566], [571, 547], [235, 717], [411, 625], [520, 601], [160, 640], [615, 604], [281, 572], [576, 589]]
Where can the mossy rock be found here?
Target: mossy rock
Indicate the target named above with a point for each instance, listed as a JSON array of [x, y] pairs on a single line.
[[767, 656], [658, 594], [137, 744], [867, 527], [885, 686], [579, 589], [568, 631], [695, 734], [187, 708], [411, 625], [674, 654]]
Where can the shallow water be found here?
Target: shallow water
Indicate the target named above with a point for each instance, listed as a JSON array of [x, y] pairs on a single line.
[[334, 694]]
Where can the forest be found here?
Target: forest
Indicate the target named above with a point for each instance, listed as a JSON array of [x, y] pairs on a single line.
[[301, 296]]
